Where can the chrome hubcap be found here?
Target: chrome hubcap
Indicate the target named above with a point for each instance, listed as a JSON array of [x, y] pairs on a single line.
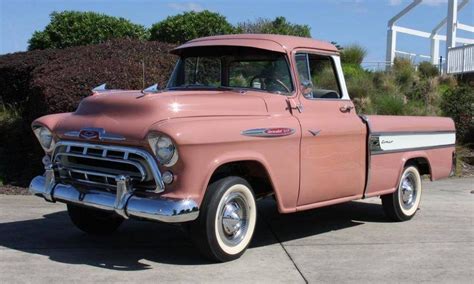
[[408, 190], [233, 219]]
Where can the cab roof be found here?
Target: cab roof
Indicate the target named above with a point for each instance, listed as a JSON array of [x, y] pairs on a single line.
[[277, 43]]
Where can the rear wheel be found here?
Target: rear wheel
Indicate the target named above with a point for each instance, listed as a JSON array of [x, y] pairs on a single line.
[[227, 220], [93, 221], [403, 203]]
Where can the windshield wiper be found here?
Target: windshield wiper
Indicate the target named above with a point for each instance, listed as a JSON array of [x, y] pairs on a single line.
[[226, 88], [219, 88]]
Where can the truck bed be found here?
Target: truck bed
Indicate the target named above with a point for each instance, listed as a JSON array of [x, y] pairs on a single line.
[[428, 142]]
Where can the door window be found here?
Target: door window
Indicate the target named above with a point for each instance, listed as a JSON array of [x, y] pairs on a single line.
[[318, 76]]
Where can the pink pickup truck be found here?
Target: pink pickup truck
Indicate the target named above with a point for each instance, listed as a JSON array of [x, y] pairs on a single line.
[[242, 117]]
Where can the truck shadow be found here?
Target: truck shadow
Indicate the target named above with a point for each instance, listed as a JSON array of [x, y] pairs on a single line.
[[136, 244]]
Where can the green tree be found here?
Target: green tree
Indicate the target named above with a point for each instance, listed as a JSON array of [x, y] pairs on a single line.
[[277, 26], [190, 25], [71, 28]]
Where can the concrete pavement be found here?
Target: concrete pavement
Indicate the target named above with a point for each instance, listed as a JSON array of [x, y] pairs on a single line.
[[351, 242]]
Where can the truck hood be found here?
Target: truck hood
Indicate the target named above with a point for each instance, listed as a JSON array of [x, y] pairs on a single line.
[[130, 114]]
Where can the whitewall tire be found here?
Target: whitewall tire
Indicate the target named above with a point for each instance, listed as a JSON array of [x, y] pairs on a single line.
[[404, 202], [226, 221]]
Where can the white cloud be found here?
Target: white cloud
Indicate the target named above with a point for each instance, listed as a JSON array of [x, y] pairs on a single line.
[[425, 2], [434, 2], [189, 6], [395, 2]]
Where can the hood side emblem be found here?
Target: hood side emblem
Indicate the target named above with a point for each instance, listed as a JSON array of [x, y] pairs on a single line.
[[94, 133], [268, 132]]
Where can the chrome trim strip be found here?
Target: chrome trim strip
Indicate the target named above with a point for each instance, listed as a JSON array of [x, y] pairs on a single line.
[[381, 152], [142, 153], [263, 132], [395, 133], [127, 203]]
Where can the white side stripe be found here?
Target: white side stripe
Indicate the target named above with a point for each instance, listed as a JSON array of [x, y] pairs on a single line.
[[410, 141]]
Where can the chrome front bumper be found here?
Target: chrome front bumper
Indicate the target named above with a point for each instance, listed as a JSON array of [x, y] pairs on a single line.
[[124, 202]]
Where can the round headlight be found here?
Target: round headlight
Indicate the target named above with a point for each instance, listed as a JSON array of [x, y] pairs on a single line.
[[45, 137], [164, 149]]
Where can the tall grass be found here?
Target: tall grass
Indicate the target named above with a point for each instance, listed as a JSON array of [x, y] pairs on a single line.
[[353, 54]]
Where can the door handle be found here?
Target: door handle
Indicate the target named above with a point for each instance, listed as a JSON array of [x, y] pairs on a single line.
[[346, 108]]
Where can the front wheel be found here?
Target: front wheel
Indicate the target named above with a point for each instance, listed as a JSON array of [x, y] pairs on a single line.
[[403, 203], [227, 220], [93, 221]]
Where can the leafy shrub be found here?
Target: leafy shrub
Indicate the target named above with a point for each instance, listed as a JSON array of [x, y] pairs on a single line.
[[190, 25], [385, 83], [353, 54], [352, 70], [459, 105], [388, 104], [359, 82], [414, 107], [277, 26], [20, 154], [428, 70], [16, 73], [73, 28], [404, 72]]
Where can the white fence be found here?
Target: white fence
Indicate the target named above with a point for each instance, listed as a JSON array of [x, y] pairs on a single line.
[[461, 59]]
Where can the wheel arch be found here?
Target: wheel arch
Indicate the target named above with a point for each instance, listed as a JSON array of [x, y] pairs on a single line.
[[254, 171], [420, 160]]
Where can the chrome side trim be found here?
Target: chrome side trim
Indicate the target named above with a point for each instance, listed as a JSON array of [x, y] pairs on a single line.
[[269, 132], [394, 133], [394, 142], [149, 159], [124, 203], [381, 152]]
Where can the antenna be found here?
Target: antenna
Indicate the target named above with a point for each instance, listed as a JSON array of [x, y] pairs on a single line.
[[143, 74]]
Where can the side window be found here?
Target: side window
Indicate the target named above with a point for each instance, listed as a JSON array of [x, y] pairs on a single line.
[[322, 74]]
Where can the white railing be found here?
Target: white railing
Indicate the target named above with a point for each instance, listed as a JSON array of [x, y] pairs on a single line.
[[461, 59]]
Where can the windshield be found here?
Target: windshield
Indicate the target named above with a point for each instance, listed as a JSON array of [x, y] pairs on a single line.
[[232, 67]]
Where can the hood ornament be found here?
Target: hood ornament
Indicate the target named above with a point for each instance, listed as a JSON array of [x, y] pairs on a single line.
[[100, 88], [153, 89], [90, 133]]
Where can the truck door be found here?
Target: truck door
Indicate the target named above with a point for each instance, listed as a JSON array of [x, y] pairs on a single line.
[[333, 143]]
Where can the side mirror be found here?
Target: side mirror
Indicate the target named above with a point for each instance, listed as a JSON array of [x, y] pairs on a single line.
[[306, 87]]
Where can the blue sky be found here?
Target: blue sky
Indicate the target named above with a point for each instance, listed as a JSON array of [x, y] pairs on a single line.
[[344, 21]]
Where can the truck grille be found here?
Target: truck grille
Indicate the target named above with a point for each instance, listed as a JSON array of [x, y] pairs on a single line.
[[98, 165]]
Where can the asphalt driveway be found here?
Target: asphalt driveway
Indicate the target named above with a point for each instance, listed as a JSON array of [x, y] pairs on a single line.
[[351, 242]]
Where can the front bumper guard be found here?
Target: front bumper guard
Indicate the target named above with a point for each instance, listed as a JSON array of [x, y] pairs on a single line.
[[124, 202]]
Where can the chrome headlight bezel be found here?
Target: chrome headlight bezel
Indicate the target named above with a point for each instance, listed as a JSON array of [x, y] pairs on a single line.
[[164, 149], [45, 137]]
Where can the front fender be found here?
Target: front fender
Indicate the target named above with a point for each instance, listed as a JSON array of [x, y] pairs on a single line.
[[204, 144]]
